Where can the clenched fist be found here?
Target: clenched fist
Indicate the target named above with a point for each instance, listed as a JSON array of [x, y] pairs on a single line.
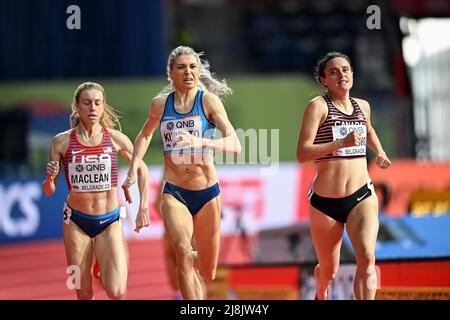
[[352, 139], [52, 169]]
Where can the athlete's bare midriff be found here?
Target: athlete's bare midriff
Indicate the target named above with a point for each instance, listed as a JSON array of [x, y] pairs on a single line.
[[340, 178], [94, 203], [193, 171]]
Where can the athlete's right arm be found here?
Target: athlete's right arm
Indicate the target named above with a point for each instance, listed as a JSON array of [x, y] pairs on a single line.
[[314, 115], [53, 169], [144, 138]]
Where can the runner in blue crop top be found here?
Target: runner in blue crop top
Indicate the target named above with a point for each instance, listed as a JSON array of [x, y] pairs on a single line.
[[187, 112]]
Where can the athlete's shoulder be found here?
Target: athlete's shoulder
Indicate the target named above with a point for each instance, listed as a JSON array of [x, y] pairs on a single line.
[[114, 133], [317, 100], [159, 100], [62, 137], [118, 137], [158, 104], [363, 104], [61, 140], [360, 101], [208, 96], [317, 104], [212, 105], [211, 102]]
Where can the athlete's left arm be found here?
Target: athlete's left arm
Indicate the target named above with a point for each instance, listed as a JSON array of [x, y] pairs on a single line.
[[373, 142], [215, 112], [125, 148]]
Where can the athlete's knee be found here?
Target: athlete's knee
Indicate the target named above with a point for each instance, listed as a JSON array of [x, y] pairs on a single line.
[[115, 287], [208, 275], [183, 253], [115, 293], [365, 259], [114, 282], [85, 294], [327, 274]]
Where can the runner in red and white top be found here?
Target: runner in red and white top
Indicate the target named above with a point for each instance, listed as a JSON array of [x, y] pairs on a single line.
[[89, 153], [334, 133]]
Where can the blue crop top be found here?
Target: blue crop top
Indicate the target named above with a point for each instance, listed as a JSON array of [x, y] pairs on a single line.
[[194, 122]]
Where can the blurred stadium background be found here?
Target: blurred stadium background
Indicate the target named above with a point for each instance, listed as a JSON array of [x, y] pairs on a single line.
[[266, 50]]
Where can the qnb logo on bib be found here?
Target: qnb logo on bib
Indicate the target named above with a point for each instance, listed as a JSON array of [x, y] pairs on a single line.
[[170, 130], [170, 126], [90, 173], [341, 131]]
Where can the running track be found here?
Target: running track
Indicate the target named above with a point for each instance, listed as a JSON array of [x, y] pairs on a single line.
[[36, 271]]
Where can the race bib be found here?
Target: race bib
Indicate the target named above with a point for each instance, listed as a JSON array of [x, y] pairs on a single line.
[[90, 173], [67, 213], [339, 132], [170, 130]]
